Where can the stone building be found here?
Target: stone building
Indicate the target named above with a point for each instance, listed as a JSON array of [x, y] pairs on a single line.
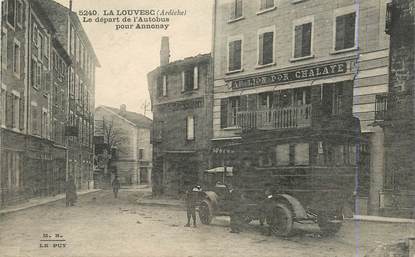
[[34, 100], [126, 138], [81, 77], [271, 55], [181, 97], [398, 196]]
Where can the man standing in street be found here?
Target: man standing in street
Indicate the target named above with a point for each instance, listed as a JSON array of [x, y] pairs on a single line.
[[192, 198], [236, 209], [70, 189], [115, 186]]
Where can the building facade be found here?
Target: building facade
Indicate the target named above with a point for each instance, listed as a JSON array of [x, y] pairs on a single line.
[[125, 136], [81, 79], [181, 97], [398, 196], [34, 102], [272, 57]]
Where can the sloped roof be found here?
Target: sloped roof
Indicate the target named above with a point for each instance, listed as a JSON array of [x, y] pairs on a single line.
[[138, 119]]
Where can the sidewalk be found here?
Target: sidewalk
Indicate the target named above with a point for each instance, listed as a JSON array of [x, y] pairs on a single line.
[[382, 219], [41, 201], [164, 202]]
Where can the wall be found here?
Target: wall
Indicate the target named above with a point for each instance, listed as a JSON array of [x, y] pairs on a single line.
[[371, 55]]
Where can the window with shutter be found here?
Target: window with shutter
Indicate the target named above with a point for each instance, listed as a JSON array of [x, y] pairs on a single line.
[[21, 113], [266, 48], [9, 110], [34, 120], [3, 106], [236, 10], [3, 48], [16, 111], [267, 4], [235, 55], [196, 77], [190, 128], [165, 85], [234, 105], [188, 80], [302, 40], [38, 75], [224, 113], [345, 31], [11, 15]]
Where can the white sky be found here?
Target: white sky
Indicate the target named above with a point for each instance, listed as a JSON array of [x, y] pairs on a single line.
[[127, 56]]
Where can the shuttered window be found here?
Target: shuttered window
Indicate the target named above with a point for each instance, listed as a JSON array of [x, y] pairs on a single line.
[[3, 106], [16, 111], [11, 15], [190, 127], [224, 113], [266, 48], [302, 45], [164, 86], [4, 48], [235, 55], [236, 9], [345, 31], [9, 109], [21, 113], [188, 80], [19, 12], [34, 120], [267, 4], [16, 58], [195, 77], [234, 106]]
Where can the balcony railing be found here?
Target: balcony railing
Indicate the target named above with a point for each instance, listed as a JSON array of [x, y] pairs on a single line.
[[282, 118]]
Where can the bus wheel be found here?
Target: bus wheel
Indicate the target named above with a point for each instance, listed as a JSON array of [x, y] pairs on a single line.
[[281, 220], [329, 224], [205, 214]]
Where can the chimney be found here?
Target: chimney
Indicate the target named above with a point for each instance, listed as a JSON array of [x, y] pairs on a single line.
[[123, 109], [70, 5], [164, 51]]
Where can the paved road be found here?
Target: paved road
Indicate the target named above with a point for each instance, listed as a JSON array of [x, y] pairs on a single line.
[[100, 225]]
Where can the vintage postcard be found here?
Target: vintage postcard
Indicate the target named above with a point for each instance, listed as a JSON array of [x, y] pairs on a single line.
[[207, 128]]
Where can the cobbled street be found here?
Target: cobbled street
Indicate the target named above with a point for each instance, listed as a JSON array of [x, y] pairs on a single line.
[[100, 225]]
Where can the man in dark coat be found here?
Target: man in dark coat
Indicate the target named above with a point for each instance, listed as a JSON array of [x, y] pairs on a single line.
[[192, 199], [236, 214], [115, 186], [70, 189]]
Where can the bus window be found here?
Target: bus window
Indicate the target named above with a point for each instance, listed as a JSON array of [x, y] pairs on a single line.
[[282, 153], [302, 154]]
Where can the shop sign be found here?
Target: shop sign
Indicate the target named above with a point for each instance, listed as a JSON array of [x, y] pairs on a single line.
[[183, 105], [288, 76]]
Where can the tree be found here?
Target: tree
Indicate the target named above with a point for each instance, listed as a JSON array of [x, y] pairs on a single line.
[[112, 139]]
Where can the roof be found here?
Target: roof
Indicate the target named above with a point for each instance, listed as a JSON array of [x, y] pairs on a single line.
[[138, 119], [186, 62]]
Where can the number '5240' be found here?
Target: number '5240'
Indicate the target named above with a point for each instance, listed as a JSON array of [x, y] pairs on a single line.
[[87, 12]]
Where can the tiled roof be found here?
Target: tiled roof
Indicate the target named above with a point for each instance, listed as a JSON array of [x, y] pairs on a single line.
[[138, 119]]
